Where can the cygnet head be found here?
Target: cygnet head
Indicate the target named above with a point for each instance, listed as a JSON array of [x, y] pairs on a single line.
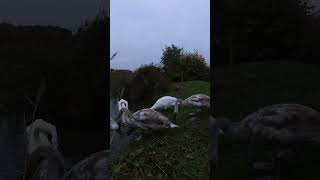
[[123, 104]]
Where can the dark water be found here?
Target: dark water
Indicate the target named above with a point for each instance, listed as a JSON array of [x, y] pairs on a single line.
[[12, 147]]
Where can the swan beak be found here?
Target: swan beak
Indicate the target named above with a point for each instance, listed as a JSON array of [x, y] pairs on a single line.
[[173, 125]]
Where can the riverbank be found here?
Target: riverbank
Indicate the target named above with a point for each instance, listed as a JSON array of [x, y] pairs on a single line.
[[180, 153]]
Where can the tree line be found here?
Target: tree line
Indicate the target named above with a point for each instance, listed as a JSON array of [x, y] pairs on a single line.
[[154, 80], [184, 66], [250, 30]]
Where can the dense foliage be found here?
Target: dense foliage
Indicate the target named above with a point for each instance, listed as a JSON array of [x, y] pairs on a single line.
[[148, 82], [184, 66], [74, 65], [194, 67], [171, 61], [252, 30]]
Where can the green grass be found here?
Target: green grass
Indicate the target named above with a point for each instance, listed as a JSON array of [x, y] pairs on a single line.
[[242, 89], [180, 153]]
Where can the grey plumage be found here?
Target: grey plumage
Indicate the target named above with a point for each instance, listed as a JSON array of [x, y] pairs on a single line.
[[93, 167], [284, 123], [47, 163], [144, 119], [197, 100], [287, 127]]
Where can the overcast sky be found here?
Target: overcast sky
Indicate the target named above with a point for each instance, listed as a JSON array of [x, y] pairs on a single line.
[[64, 13], [140, 29]]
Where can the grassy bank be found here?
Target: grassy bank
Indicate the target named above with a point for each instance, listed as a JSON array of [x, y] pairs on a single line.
[[242, 89], [180, 153]]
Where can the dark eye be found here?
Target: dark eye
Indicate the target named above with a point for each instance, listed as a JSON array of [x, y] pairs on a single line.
[[50, 137]]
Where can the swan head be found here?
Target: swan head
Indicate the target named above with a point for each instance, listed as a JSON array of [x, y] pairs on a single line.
[[123, 104], [41, 133]]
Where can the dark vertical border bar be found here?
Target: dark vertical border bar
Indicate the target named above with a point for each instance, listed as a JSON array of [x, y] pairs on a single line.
[[213, 52]]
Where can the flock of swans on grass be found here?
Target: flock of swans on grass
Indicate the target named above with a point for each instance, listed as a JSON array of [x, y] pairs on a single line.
[[287, 127], [150, 118], [46, 162]]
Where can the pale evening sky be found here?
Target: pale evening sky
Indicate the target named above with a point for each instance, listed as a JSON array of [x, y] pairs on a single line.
[[140, 29]]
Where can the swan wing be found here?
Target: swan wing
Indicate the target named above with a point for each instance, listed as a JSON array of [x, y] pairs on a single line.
[[284, 122], [93, 167], [198, 100], [149, 118]]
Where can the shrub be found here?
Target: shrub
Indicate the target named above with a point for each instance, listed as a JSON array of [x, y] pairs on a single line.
[[179, 66], [119, 79], [194, 67], [148, 81], [171, 62]]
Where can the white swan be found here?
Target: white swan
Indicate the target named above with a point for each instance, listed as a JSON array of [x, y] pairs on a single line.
[[38, 135], [165, 102]]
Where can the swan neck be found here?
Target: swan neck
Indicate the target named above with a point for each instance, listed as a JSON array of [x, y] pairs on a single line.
[[176, 107], [125, 114]]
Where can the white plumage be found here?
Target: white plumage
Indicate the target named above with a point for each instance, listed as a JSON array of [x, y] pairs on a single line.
[[123, 104], [165, 102]]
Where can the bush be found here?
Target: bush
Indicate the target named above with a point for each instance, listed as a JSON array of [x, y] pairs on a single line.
[[194, 67], [179, 66], [171, 62], [148, 82], [119, 79]]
